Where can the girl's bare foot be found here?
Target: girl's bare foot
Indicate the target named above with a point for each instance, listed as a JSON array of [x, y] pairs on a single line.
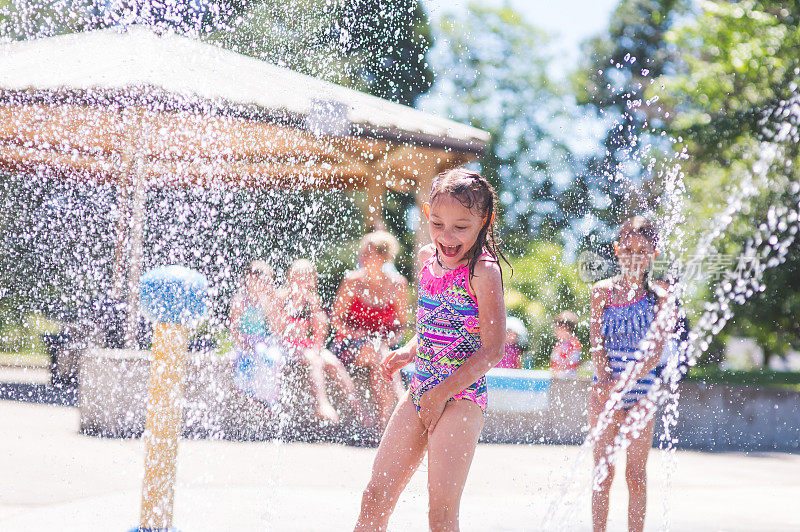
[[326, 412]]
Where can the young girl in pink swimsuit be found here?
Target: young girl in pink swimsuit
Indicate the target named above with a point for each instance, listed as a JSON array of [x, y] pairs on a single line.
[[460, 336]]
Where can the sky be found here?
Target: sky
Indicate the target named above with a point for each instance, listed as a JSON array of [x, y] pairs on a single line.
[[569, 22]]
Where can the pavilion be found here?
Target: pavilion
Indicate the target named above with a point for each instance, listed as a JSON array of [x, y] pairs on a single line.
[[140, 109]]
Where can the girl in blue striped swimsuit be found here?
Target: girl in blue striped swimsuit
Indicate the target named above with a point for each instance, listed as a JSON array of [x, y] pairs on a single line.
[[624, 310]]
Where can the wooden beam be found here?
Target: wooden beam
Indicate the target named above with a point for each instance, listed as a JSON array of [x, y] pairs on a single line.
[[184, 148], [308, 175], [83, 130]]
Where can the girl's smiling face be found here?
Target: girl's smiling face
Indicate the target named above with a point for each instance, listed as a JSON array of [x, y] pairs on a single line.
[[453, 229], [635, 254]]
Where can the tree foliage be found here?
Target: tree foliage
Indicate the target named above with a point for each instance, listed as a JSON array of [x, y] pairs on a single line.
[[492, 74], [618, 67], [543, 285], [376, 46], [379, 47], [727, 93]]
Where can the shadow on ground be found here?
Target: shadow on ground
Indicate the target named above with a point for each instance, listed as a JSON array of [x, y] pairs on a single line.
[[39, 393]]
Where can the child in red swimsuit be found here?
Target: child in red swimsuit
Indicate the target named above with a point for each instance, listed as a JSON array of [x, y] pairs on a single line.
[[566, 355], [369, 316]]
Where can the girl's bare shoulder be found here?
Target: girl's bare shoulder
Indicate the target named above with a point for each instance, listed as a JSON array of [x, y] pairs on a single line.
[[487, 270], [399, 282], [601, 288], [354, 276], [426, 252]]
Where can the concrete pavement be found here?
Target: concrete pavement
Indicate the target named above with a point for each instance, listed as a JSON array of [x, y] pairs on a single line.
[[53, 478]]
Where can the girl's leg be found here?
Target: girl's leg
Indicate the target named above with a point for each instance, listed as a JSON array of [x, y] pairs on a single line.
[[383, 395], [636, 473], [399, 454], [451, 447], [397, 385], [324, 408], [603, 463], [336, 370], [370, 358]]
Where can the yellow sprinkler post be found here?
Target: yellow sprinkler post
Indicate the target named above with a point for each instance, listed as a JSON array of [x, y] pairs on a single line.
[[174, 298]]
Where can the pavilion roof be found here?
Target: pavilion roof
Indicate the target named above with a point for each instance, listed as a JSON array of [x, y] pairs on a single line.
[[135, 64]]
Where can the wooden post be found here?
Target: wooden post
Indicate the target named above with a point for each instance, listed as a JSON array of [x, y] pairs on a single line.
[[132, 236], [136, 257], [373, 208], [173, 298], [163, 428], [121, 253], [424, 182]]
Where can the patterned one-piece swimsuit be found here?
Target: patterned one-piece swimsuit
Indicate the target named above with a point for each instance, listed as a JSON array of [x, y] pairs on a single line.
[[448, 331], [624, 328]]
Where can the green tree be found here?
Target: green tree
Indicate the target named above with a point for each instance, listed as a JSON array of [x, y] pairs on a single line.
[[618, 66], [730, 91], [544, 285], [492, 73], [379, 47], [388, 42], [21, 20]]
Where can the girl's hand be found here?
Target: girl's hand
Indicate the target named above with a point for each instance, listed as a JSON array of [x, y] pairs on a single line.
[[430, 409], [356, 334], [395, 361], [603, 390]]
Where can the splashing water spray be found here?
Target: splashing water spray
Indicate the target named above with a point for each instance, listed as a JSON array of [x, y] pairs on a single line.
[[766, 248]]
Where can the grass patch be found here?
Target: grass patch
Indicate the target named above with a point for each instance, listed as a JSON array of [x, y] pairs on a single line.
[[30, 359], [766, 378]]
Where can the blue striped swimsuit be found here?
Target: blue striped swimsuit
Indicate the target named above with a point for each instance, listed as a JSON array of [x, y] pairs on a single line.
[[624, 327]]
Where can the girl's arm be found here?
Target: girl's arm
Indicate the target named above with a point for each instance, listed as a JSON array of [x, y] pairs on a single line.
[[401, 302], [597, 349], [319, 323], [399, 358], [275, 311], [488, 288]]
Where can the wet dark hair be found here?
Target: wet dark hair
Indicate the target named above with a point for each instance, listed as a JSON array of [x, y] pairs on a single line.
[[478, 195], [639, 225], [643, 227]]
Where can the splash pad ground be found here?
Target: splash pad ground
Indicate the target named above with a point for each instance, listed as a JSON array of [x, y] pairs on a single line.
[[59, 479]]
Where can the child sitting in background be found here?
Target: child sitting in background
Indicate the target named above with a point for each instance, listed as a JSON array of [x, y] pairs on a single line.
[[303, 328], [516, 335], [566, 356]]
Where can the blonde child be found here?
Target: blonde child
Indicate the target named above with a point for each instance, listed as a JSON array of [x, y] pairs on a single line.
[[369, 315], [304, 327], [460, 335], [516, 335], [259, 358]]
